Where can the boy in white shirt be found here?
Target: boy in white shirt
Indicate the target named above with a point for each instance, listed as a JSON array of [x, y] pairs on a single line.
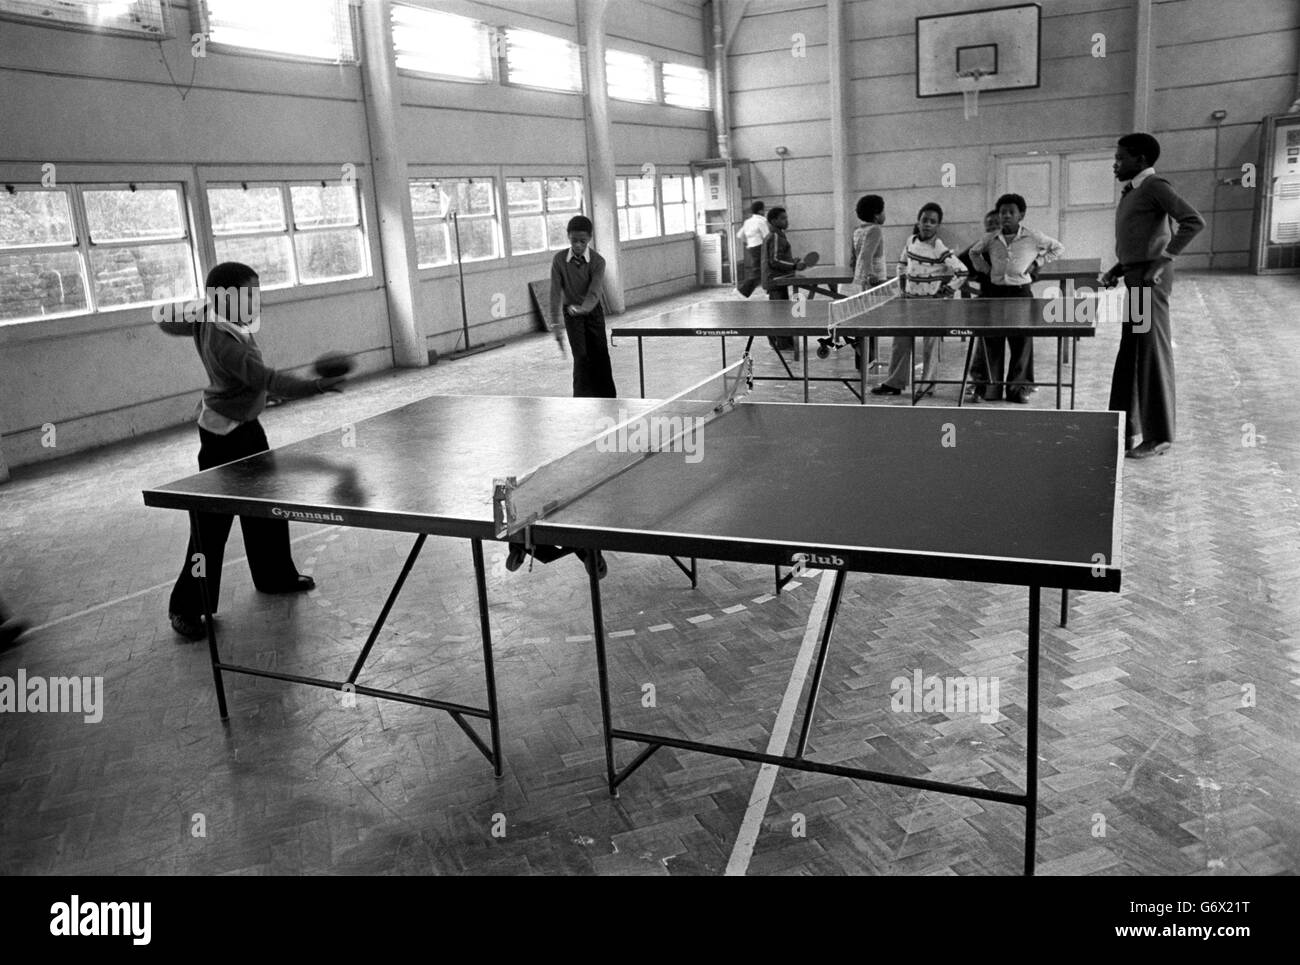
[[751, 235]]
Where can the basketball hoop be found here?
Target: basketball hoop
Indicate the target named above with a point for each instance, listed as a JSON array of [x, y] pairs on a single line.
[[968, 81]]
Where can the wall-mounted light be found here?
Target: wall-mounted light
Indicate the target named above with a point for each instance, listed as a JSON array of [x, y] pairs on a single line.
[[1219, 116], [782, 151]]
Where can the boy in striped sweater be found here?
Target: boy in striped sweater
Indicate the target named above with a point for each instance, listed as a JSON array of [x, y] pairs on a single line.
[[929, 269]]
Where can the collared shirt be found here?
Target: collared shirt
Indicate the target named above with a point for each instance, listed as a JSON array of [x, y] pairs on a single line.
[[754, 231], [1007, 260], [1141, 176]]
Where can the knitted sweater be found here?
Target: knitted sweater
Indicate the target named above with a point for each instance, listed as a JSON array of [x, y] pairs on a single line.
[[1142, 229], [238, 379]]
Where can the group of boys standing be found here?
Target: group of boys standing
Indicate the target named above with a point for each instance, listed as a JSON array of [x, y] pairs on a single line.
[[1004, 263]]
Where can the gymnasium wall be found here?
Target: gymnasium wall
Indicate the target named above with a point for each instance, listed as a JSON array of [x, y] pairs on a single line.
[[103, 108], [1209, 55]]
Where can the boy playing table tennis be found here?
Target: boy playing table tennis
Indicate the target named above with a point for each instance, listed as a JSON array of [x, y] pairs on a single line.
[[1010, 257], [578, 285], [779, 259], [929, 269], [228, 430]]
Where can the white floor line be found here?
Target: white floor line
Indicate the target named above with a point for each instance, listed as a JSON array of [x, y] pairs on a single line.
[[150, 589], [743, 849]]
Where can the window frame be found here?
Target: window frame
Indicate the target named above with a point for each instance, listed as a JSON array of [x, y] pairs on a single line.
[[93, 315], [495, 218], [165, 18], [494, 40], [202, 20], [708, 86], [688, 202], [654, 205], [503, 42], [656, 92], [516, 176]]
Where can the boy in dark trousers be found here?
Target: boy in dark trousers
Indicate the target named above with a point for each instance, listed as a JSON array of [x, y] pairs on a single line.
[[229, 430], [578, 286], [778, 259], [1143, 382]]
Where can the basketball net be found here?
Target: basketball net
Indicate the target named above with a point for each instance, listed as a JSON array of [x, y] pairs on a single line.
[[969, 84]]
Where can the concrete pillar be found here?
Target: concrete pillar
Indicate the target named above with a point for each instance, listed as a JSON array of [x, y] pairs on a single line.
[[837, 41], [600, 147], [1142, 53], [392, 194]]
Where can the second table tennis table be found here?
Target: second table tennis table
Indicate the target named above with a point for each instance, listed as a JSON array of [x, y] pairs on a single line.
[[1060, 319], [934, 478]]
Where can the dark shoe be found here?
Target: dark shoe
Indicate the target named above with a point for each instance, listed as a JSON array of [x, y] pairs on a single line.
[[300, 584], [516, 557], [10, 632], [1147, 449], [1020, 398], [883, 389], [191, 628]]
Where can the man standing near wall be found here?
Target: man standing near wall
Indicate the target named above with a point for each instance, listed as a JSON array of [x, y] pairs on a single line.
[[1143, 383], [751, 235]]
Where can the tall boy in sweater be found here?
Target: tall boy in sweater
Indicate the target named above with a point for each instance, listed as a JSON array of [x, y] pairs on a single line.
[[229, 430], [1143, 382]]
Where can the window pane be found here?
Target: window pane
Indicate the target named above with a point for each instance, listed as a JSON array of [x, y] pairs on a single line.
[[474, 198], [321, 29], [141, 274], [564, 195], [444, 44], [676, 219], [35, 218], [269, 256], [524, 195], [478, 239], [541, 60], [620, 192], [640, 191], [315, 205], [527, 234], [125, 215], [138, 17], [622, 223], [431, 245], [686, 86], [238, 211], [672, 190], [629, 77], [425, 202], [327, 255], [642, 223], [36, 283], [557, 231]]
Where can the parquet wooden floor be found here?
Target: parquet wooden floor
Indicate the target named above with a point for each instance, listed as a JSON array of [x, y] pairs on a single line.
[[1169, 711]]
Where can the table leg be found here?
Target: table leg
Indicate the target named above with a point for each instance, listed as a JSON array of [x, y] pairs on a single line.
[[965, 372], [489, 674], [1074, 369], [1031, 737], [805, 367], [1060, 364], [1065, 606], [862, 375], [821, 663], [640, 363], [602, 671], [213, 655], [723, 340]]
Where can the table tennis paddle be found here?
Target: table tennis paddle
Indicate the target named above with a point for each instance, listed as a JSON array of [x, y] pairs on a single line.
[[811, 259], [333, 365]]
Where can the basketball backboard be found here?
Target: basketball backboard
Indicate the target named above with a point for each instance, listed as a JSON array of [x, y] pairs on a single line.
[[1001, 43]]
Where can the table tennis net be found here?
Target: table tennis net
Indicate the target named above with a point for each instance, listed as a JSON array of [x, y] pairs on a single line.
[[672, 426], [848, 309]]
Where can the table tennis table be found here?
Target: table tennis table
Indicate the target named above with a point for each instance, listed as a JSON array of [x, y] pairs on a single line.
[[970, 318], [892, 490], [817, 280]]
